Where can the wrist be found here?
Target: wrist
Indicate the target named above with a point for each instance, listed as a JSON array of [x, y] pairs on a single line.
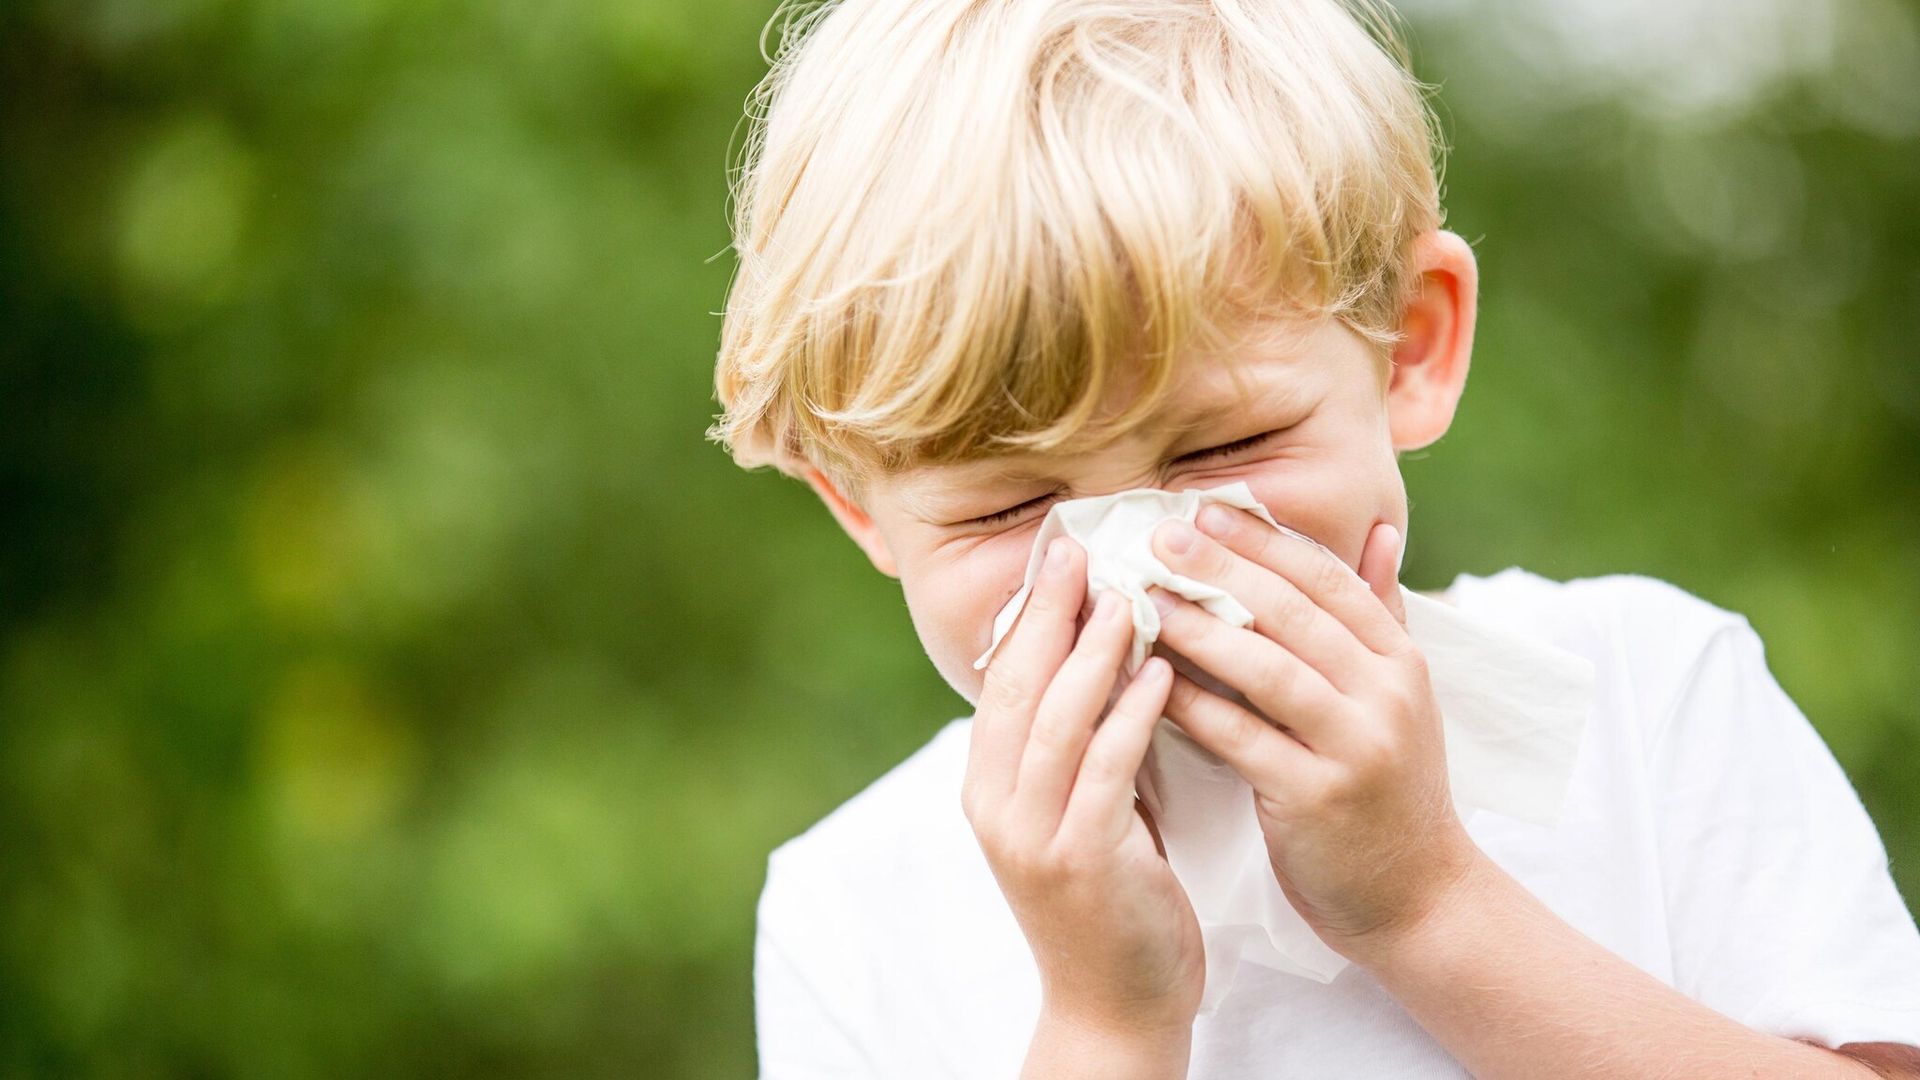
[[1462, 896], [1072, 1042]]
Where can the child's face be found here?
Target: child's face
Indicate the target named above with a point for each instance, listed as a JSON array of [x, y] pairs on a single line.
[[1309, 430]]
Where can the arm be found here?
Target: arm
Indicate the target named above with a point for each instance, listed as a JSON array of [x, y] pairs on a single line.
[[805, 1009], [1049, 794], [1512, 991], [1063, 1048], [1352, 796]]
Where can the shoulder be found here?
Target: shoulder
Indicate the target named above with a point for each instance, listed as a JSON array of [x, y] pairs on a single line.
[[846, 904], [1627, 601], [906, 820], [1633, 611], [1646, 637], [881, 933]]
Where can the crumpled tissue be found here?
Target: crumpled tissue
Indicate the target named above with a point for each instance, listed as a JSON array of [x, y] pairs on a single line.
[[1512, 712]]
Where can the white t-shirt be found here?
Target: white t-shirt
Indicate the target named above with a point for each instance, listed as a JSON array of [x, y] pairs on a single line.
[[1708, 837]]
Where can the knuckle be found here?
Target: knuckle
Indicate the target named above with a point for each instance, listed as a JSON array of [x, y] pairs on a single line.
[[1405, 686], [1256, 543], [1316, 794], [986, 824], [1035, 864], [1103, 766], [1372, 754], [1094, 640], [1327, 575], [1401, 699], [1239, 736], [1008, 844], [1193, 626], [1050, 600], [1278, 807], [1043, 604], [1099, 768], [1411, 659], [1005, 692], [1067, 861], [1278, 682], [1209, 556], [1224, 563], [988, 837], [973, 805], [1052, 733], [1295, 615], [1076, 864]]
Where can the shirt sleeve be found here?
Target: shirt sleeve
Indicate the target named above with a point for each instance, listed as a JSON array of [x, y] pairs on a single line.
[[802, 986], [1781, 909]]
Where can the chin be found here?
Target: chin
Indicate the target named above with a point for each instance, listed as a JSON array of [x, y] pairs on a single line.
[[967, 683]]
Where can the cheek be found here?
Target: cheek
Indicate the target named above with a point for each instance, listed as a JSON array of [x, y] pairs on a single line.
[[1336, 505], [952, 602]]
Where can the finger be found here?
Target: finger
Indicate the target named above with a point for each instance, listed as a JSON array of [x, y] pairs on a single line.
[[1271, 760], [1280, 610], [1380, 568], [1102, 797], [1317, 572], [1273, 680], [1021, 669], [1064, 722], [1153, 827]]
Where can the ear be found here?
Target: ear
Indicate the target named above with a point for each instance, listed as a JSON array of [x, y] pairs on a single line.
[[856, 521], [1430, 364]]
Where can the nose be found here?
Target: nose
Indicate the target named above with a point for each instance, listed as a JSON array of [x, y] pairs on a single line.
[[1114, 479]]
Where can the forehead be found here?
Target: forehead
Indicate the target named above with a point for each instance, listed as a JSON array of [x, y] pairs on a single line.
[[1272, 364]]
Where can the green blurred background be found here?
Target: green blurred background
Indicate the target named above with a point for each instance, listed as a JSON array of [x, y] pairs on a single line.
[[395, 683]]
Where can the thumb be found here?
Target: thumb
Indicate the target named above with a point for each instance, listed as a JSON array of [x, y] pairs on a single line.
[[1153, 830], [1380, 567]]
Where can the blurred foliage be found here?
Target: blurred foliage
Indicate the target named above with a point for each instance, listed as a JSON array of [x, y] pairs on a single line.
[[395, 683]]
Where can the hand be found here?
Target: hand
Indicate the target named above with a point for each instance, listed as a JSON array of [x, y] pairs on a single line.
[[1342, 744], [1051, 801]]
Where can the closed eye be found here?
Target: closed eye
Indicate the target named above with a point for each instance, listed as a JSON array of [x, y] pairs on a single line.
[[1012, 512], [1210, 453], [1224, 449]]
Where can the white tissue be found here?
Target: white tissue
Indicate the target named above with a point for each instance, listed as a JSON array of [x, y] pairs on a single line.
[[1512, 711]]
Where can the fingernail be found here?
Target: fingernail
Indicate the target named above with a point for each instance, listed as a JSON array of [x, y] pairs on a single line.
[[1106, 606], [1162, 601], [1215, 520], [1155, 670], [1179, 536], [1399, 549], [1055, 563]]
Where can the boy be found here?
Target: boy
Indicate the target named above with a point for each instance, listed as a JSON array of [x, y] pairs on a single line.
[[996, 254]]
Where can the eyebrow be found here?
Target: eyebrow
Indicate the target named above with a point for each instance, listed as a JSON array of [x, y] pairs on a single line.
[[1203, 416], [938, 505], [1283, 397]]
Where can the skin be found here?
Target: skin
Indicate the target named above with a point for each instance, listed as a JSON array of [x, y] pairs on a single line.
[[1351, 781]]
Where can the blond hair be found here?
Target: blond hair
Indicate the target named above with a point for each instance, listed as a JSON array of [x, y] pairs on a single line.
[[961, 223]]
